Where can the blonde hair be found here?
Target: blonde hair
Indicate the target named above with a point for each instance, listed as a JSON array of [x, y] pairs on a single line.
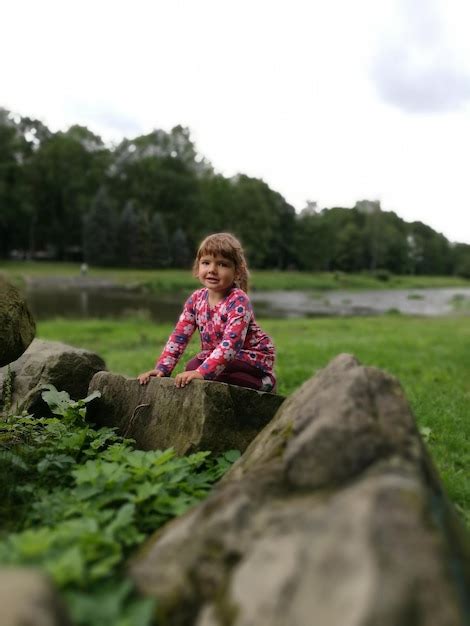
[[229, 247]]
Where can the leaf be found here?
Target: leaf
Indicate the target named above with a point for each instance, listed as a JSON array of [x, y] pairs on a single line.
[[87, 473], [10, 458], [426, 433], [147, 490], [67, 567], [57, 401], [232, 455], [102, 437], [104, 567], [103, 607], [31, 544], [124, 517], [58, 461], [92, 396]]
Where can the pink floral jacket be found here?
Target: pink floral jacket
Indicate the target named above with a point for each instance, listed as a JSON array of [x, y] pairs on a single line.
[[228, 331]]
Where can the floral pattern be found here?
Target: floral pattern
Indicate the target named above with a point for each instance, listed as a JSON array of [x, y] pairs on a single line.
[[227, 331]]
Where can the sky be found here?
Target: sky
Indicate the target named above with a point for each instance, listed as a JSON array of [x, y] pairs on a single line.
[[330, 101]]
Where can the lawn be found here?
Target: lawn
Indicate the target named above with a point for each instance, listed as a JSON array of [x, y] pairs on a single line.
[[429, 356], [181, 280]]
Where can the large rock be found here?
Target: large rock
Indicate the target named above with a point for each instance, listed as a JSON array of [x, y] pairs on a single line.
[[202, 416], [333, 516], [17, 326], [28, 598], [50, 362]]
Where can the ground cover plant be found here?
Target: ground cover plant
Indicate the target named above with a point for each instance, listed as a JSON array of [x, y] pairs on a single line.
[[429, 356], [171, 280], [75, 501]]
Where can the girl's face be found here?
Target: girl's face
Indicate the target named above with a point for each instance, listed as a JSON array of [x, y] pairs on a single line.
[[217, 273]]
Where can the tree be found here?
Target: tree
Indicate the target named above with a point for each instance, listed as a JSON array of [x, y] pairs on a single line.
[[159, 244], [430, 251], [180, 252], [128, 227], [13, 199], [100, 231], [64, 175], [349, 248], [461, 260], [313, 245]]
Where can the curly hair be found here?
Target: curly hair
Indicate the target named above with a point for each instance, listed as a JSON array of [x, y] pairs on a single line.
[[229, 247]]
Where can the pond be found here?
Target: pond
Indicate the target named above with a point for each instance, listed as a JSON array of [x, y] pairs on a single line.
[[107, 301]]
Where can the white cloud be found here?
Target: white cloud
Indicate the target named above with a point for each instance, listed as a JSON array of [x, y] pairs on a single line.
[[419, 66]]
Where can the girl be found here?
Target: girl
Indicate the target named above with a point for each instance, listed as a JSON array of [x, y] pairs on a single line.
[[234, 349]]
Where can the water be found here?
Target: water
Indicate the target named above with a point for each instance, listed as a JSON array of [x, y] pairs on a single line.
[[105, 301], [373, 302]]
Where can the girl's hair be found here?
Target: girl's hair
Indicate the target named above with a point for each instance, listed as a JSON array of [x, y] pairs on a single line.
[[229, 247]]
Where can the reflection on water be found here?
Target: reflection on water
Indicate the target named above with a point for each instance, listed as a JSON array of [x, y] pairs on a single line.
[[73, 302], [103, 303]]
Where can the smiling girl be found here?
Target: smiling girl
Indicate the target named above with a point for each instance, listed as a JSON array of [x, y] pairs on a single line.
[[234, 349]]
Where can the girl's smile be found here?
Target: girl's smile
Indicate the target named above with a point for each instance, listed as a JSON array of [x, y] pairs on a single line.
[[217, 274]]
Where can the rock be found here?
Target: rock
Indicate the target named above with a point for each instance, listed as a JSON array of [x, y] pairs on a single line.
[[337, 424], [49, 362], [17, 326], [202, 416], [333, 516], [28, 598]]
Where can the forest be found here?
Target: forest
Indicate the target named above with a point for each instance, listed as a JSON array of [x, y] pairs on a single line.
[[147, 202]]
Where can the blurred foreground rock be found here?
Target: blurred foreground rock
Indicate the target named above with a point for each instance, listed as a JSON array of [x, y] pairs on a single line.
[[50, 362], [334, 516], [28, 598], [202, 416], [17, 326]]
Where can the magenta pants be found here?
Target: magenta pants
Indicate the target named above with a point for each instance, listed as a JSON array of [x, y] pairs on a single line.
[[236, 373]]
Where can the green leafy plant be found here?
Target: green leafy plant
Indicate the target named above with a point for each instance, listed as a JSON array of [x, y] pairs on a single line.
[[79, 499], [7, 389]]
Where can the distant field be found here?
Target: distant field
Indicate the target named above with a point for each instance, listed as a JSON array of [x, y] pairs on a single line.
[[182, 280], [430, 357]]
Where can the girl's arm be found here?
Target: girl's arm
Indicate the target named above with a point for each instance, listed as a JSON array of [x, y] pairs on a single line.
[[233, 339], [178, 340]]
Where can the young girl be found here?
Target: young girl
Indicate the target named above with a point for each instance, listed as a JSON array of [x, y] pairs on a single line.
[[234, 349]]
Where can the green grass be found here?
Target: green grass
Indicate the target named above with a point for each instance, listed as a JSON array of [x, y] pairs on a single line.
[[182, 280], [429, 356]]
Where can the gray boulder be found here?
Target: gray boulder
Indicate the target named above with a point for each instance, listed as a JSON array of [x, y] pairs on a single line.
[[49, 362], [17, 326], [202, 416], [333, 516], [28, 598]]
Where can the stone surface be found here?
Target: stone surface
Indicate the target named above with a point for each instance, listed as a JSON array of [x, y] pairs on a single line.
[[49, 362], [333, 516], [17, 326], [28, 598], [202, 416]]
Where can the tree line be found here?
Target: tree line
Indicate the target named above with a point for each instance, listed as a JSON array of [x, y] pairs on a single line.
[[148, 201]]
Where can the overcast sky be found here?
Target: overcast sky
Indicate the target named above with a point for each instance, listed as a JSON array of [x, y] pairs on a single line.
[[332, 101]]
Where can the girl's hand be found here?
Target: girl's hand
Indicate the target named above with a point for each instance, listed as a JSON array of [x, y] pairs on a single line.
[[146, 376], [184, 378]]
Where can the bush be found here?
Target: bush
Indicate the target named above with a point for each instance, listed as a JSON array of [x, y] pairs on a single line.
[[382, 275], [77, 500]]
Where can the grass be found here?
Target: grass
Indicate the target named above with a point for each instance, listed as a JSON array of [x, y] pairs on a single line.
[[429, 356], [182, 280]]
